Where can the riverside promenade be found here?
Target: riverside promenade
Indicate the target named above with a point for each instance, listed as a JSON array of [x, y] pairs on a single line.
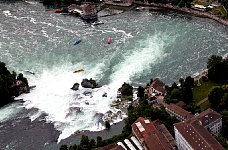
[[184, 10]]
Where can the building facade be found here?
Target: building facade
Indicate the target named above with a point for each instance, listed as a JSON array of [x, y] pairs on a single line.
[[191, 135], [198, 131], [211, 120], [157, 87], [178, 112]]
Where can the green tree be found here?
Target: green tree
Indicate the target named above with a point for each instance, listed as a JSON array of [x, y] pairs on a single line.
[[223, 142], [192, 107], [126, 90], [189, 82], [217, 69], [174, 86], [215, 97], [181, 80], [187, 95], [99, 141], [92, 143], [63, 147], [84, 141], [140, 92], [176, 94]]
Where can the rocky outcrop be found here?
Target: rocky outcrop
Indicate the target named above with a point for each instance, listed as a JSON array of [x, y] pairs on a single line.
[[89, 83], [75, 87], [104, 95], [20, 87]]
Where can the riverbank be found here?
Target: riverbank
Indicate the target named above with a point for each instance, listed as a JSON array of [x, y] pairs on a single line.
[[184, 10]]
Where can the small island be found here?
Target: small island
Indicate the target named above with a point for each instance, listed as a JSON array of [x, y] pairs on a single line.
[[11, 85]]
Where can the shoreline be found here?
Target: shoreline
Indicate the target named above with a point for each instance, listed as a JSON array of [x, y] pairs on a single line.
[[184, 10]]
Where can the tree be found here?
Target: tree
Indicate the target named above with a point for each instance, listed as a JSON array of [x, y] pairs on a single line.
[[107, 125], [92, 143], [84, 141], [140, 92], [187, 95], [192, 107], [8, 88], [174, 86], [215, 97], [151, 81], [21, 78], [217, 69], [126, 90], [176, 94], [63, 147], [181, 80], [99, 141], [3, 69], [189, 82], [224, 102], [223, 142]]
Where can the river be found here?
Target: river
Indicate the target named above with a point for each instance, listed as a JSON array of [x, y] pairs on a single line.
[[144, 45]]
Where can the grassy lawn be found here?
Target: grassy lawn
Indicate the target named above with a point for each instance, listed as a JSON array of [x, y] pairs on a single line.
[[205, 105], [201, 2], [221, 11], [200, 92]]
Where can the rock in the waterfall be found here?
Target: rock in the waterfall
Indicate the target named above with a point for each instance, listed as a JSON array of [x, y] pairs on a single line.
[[104, 95], [89, 83], [75, 87]]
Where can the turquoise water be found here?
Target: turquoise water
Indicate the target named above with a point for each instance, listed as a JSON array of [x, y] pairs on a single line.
[[144, 45]]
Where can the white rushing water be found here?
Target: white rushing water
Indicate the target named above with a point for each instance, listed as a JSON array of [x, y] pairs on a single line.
[[154, 45]]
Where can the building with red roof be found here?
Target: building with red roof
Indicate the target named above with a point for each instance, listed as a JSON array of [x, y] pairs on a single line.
[[197, 132], [178, 112], [150, 137]]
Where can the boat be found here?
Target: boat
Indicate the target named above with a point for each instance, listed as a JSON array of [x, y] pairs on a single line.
[[79, 70], [59, 11], [64, 14], [140, 8], [77, 42], [109, 40], [28, 71], [97, 23]]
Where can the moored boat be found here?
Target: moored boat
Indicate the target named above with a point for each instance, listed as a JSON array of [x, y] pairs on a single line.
[[79, 70], [77, 42], [109, 40]]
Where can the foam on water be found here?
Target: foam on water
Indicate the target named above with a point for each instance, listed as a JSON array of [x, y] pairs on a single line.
[[74, 110], [9, 111], [132, 53], [147, 52]]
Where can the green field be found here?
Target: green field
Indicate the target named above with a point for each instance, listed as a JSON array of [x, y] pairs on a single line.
[[202, 91], [205, 105]]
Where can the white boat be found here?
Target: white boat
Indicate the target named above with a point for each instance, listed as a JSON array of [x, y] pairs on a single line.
[[28, 71]]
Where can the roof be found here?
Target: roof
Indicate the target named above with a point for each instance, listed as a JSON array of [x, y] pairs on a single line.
[[181, 104], [162, 129], [197, 136], [158, 85], [147, 133], [208, 116], [180, 111], [112, 147]]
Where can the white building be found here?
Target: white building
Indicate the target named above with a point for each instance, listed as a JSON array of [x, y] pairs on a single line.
[[194, 133], [211, 120], [178, 112]]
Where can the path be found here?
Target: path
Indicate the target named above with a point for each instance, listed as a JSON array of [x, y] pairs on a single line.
[[202, 101]]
